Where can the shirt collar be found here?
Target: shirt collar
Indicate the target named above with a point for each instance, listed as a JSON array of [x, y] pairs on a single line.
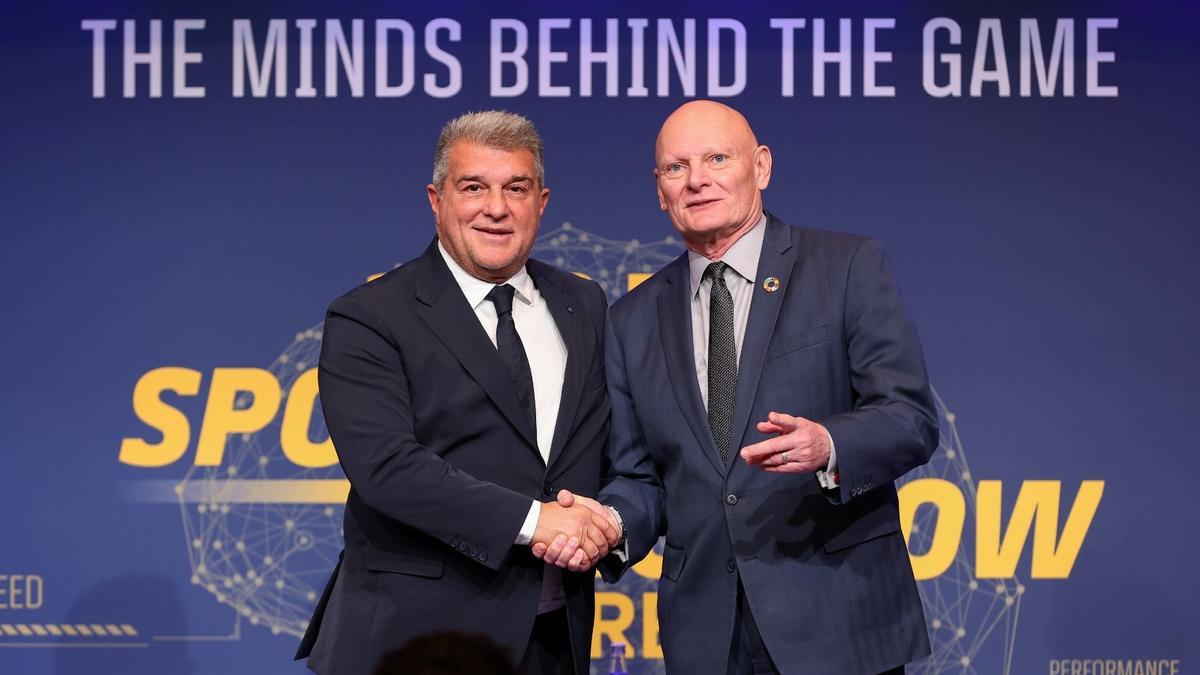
[[476, 290], [742, 256]]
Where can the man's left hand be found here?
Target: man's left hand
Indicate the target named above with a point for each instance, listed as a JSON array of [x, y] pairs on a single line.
[[800, 445]]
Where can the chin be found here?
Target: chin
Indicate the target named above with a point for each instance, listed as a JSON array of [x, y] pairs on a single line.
[[494, 256], [498, 266], [706, 226]]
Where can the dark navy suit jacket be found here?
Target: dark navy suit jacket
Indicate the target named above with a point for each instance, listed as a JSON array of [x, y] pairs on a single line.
[[443, 465], [826, 573]]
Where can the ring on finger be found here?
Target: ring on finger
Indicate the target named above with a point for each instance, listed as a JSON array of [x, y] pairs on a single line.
[[783, 457]]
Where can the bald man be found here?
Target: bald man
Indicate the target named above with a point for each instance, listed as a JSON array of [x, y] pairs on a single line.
[[767, 389]]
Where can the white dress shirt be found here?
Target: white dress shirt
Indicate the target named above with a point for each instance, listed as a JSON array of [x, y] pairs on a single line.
[[547, 355], [741, 270]]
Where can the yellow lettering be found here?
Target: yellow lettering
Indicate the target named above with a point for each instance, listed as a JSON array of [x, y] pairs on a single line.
[[651, 649], [947, 532], [297, 417], [151, 410], [1036, 507], [614, 628], [634, 278], [223, 416], [650, 567]]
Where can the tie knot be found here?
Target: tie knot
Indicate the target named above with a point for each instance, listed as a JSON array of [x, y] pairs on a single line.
[[715, 272], [502, 298]]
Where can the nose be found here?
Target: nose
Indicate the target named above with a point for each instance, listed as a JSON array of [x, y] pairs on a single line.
[[697, 176], [494, 205]]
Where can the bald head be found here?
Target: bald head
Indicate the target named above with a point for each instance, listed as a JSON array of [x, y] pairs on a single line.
[[710, 172], [707, 117]]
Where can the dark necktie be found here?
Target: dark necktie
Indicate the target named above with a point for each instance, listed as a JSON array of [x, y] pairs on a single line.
[[512, 352], [722, 359]]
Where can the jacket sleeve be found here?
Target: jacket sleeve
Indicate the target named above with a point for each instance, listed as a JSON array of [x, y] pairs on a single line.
[[365, 396], [893, 427], [632, 484]]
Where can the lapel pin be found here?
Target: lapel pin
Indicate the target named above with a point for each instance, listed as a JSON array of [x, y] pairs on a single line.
[[771, 284]]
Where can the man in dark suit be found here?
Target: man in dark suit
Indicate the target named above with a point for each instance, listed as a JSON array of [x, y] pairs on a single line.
[[460, 390], [767, 389]]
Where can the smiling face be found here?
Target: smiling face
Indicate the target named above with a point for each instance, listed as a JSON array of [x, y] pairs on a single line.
[[710, 172], [488, 209]]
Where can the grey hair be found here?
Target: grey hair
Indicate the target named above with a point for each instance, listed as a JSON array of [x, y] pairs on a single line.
[[490, 128]]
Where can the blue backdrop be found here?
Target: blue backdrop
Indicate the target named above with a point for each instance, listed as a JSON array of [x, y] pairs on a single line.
[[1044, 243]]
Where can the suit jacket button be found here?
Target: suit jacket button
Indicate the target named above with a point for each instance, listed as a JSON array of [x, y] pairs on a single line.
[[483, 556], [547, 489], [731, 566], [731, 499], [471, 551]]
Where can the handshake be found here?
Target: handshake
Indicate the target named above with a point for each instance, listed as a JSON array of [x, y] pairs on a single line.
[[574, 532]]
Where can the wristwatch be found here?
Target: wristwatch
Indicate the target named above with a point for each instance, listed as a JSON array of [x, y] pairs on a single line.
[[620, 523]]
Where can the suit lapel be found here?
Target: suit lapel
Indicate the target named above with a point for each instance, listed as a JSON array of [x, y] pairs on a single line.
[[445, 310], [675, 324], [567, 318], [778, 260]]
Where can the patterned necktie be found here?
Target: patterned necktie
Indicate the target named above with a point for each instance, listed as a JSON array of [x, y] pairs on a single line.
[[722, 359], [512, 352]]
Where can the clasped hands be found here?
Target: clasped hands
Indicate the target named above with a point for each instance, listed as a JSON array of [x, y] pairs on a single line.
[[574, 532]]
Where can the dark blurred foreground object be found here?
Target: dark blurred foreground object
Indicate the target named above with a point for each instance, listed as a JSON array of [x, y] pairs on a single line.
[[448, 653]]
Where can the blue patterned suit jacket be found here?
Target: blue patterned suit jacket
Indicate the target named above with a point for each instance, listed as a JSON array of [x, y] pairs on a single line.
[[826, 573]]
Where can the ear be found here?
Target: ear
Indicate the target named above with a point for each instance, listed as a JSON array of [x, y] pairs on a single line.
[[435, 200], [662, 199], [762, 167], [543, 200]]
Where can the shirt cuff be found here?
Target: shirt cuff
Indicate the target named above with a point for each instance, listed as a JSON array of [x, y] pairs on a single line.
[[828, 477], [621, 552], [525, 536]]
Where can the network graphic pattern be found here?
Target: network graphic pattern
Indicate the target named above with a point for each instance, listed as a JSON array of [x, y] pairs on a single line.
[[269, 562], [971, 621], [608, 262]]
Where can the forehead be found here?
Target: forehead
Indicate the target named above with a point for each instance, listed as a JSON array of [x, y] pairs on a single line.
[[467, 158], [697, 136]]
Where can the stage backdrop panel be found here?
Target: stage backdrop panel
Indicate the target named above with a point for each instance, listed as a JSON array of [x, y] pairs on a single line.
[[186, 186]]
